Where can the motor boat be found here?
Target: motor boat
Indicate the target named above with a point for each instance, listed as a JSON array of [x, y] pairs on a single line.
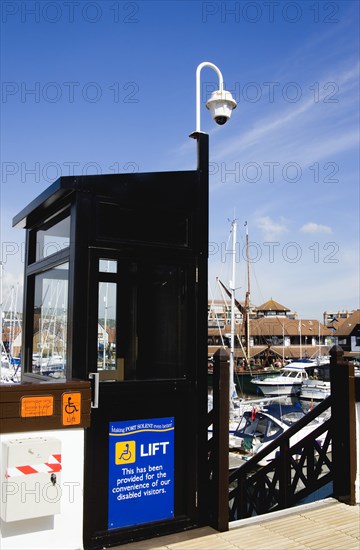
[[314, 390], [262, 425], [288, 382]]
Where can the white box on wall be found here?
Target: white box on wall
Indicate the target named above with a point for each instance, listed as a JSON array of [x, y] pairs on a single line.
[[31, 478], [63, 531]]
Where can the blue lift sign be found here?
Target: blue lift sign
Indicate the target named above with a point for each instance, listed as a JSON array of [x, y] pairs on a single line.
[[141, 471]]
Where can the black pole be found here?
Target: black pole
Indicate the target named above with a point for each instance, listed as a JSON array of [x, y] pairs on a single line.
[[220, 497], [344, 428], [202, 152], [201, 336]]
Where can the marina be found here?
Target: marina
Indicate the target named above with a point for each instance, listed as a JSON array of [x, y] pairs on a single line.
[[179, 308], [180, 349], [254, 423], [271, 434], [94, 356]]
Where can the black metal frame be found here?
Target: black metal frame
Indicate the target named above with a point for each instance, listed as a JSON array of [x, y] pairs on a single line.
[[185, 194]]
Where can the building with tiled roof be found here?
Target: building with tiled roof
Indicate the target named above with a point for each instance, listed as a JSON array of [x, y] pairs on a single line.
[[331, 318], [273, 330], [348, 334], [272, 308]]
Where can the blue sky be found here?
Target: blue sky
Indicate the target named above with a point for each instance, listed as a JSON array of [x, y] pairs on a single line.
[[107, 86]]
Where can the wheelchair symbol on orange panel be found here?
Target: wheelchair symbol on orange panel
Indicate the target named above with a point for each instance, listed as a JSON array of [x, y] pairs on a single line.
[[71, 409], [126, 454]]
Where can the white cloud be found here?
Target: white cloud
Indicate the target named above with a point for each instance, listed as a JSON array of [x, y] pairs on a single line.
[[270, 228], [299, 132], [312, 227]]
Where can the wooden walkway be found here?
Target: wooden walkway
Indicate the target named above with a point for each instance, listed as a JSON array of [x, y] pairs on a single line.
[[323, 525]]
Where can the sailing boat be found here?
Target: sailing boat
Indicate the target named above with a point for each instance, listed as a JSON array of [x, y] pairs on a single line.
[[242, 376], [253, 423], [237, 407]]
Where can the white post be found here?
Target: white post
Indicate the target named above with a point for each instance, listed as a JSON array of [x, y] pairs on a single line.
[[232, 325], [221, 86], [247, 303]]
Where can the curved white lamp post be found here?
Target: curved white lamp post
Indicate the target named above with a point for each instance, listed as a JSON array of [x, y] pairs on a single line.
[[221, 103]]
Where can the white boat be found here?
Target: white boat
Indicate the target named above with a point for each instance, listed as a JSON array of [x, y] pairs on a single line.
[[237, 409], [46, 361], [10, 369], [314, 390], [313, 362], [52, 365], [288, 382], [262, 425]]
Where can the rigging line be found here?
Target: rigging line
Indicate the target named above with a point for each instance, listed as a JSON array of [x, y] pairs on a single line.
[[50, 316], [212, 300], [6, 291], [225, 312], [221, 253], [17, 317], [257, 284], [14, 317], [217, 321], [244, 243], [241, 345], [11, 319], [227, 251]]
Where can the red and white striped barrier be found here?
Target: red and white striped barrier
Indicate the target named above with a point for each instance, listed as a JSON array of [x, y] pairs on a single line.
[[51, 466]]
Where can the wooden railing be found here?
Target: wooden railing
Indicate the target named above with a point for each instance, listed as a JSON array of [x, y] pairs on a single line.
[[297, 470], [325, 456]]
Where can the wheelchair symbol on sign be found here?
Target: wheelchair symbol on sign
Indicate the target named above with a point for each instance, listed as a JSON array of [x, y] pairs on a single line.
[[126, 454], [71, 409]]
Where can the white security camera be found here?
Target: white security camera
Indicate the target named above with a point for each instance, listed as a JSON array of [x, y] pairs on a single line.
[[221, 105]]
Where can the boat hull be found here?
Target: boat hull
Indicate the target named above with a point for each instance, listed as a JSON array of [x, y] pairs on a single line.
[[315, 391], [273, 390], [287, 383]]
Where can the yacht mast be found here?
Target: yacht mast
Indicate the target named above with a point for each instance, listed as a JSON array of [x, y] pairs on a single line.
[[247, 300], [1, 301], [232, 318], [2, 314]]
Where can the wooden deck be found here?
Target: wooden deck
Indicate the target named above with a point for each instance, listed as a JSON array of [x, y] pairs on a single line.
[[324, 525]]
